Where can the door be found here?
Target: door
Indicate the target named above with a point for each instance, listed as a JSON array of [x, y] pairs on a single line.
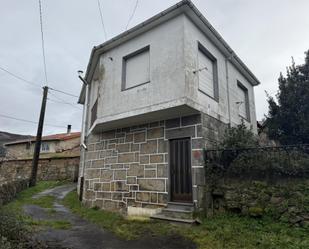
[[180, 170]]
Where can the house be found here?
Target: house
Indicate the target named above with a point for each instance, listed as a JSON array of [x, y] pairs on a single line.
[[154, 97], [51, 146]]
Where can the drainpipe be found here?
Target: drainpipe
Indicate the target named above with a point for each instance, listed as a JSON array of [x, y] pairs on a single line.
[[227, 59], [83, 136]]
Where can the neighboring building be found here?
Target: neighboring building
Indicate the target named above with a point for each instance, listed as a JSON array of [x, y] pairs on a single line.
[[154, 97], [64, 144]]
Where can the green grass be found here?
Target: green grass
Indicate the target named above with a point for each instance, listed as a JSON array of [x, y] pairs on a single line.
[[25, 198], [223, 231]]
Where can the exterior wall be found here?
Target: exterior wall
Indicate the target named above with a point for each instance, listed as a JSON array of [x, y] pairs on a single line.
[[227, 80], [166, 74], [49, 169], [129, 166], [19, 151]]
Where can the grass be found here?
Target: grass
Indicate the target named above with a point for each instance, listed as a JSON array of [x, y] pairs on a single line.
[[25, 198], [223, 231]]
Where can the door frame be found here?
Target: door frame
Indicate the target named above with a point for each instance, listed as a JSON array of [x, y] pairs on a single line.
[[169, 183]]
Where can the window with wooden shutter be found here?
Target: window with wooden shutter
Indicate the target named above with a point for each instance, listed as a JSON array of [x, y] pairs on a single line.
[[136, 68], [207, 72], [243, 101]]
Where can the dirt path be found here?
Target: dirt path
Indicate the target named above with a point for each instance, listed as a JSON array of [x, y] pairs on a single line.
[[85, 235]]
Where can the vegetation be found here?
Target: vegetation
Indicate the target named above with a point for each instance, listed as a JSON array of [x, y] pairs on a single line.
[[288, 117], [16, 228], [223, 231], [239, 137]]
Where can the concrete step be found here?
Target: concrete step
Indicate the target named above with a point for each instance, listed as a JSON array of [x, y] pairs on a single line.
[[181, 206], [177, 213], [171, 219]]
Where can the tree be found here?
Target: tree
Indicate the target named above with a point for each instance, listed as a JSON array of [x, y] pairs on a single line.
[[288, 117]]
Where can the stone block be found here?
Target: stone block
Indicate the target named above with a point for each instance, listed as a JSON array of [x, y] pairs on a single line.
[[92, 173], [106, 175], [120, 186], [151, 184], [155, 133], [172, 123], [162, 198], [162, 146], [131, 180], [136, 170], [98, 204], [191, 120], [108, 135], [89, 194], [120, 174], [106, 186], [154, 197], [123, 147], [144, 159], [120, 134], [129, 138], [117, 196], [162, 170], [97, 186], [111, 205], [139, 137], [150, 173], [98, 163], [156, 158], [150, 147], [104, 195], [110, 160], [143, 196], [126, 157], [117, 166], [180, 132], [99, 146]]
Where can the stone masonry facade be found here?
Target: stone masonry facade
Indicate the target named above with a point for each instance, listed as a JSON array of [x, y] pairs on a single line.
[[129, 166]]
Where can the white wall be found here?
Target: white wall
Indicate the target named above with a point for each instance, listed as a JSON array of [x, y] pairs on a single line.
[[166, 72], [217, 109]]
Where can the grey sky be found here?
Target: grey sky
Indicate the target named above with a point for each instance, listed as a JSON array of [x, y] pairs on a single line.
[[264, 33]]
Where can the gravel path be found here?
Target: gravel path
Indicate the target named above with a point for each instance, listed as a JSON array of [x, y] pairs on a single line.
[[85, 235]]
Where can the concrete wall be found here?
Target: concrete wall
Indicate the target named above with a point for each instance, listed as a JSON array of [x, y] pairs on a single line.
[[227, 80], [166, 73], [49, 169]]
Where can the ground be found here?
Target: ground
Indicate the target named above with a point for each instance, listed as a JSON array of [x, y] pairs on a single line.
[[62, 222]]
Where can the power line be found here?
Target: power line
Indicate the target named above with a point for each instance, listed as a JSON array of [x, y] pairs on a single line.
[[42, 39], [65, 102], [66, 93], [28, 121], [20, 78], [102, 21], [132, 15]]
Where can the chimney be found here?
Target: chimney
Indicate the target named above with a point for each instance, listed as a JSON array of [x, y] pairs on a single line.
[[69, 129]]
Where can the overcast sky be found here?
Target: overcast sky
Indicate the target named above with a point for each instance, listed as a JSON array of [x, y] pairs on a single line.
[[264, 33]]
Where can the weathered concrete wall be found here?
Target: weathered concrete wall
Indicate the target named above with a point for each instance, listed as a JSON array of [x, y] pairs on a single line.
[[129, 166], [49, 169]]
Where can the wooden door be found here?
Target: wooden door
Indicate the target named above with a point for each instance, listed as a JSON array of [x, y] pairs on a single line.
[[180, 170]]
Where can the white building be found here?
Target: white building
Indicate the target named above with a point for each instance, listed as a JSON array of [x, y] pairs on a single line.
[[154, 97]]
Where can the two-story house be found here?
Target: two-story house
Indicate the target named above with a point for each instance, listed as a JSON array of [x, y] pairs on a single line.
[[154, 97]]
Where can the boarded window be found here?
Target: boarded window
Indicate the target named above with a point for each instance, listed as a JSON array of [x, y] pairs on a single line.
[[207, 73], [136, 68], [243, 101], [44, 147]]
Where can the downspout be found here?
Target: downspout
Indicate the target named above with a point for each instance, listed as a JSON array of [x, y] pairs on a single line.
[[227, 88], [83, 137]]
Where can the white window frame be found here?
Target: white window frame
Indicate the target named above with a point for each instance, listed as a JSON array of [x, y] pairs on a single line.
[[124, 66], [241, 87], [44, 145], [213, 59]]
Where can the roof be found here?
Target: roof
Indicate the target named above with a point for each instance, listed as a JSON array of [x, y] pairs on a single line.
[[54, 137], [183, 7]]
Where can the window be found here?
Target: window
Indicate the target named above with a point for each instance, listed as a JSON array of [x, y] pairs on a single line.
[[44, 147], [207, 72], [243, 101], [94, 111], [28, 146], [136, 68]]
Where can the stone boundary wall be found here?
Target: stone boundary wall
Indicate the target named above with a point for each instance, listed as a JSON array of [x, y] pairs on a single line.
[[9, 190], [65, 168], [129, 166]]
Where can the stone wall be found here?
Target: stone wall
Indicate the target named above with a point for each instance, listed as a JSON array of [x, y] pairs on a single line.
[[129, 166], [65, 168], [285, 199], [9, 190]]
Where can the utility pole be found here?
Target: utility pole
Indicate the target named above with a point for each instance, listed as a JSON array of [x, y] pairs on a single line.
[[37, 147]]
